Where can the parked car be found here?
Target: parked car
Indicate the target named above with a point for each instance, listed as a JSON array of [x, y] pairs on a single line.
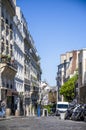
[[62, 106]]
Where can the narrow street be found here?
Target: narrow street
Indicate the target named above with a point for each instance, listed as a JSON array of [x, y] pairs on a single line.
[[41, 123]]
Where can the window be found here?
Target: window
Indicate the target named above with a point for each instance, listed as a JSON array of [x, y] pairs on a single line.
[[7, 30], [6, 21], [2, 25], [2, 47], [7, 85], [11, 86], [25, 69], [7, 42], [11, 46], [2, 14], [11, 53], [11, 35], [11, 26], [70, 58], [64, 61], [7, 50]]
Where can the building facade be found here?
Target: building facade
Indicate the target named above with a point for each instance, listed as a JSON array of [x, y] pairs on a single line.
[[67, 68], [18, 50], [82, 76], [19, 61], [8, 66], [44, 93]]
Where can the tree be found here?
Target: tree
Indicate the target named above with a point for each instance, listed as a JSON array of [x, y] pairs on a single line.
[[67, 89]]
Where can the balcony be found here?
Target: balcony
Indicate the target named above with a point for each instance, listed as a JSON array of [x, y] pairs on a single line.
[[27, 39], [26, 81], [34, 89], [34, 81], [8, 65], [27, 94]]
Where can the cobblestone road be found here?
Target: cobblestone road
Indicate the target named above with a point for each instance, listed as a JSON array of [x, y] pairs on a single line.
[[41, 123]]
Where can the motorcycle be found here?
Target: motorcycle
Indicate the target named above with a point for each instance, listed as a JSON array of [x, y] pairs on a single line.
[[78, 113], [69, 111]]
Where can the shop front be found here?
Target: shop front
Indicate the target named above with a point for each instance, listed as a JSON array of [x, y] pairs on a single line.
[[8, 100], [8, 71]]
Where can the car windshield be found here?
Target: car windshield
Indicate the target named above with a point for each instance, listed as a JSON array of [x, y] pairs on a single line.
[[62, 105]]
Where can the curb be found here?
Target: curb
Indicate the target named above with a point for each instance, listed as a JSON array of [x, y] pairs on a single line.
[[10, 117]]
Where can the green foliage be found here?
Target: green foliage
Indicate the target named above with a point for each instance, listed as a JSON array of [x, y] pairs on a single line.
[[48, 107], [67, 90]]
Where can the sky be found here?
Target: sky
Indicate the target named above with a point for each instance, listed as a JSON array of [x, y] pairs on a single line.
[[57, 26]]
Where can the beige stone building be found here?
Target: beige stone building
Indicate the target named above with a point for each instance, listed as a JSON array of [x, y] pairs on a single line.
[[82, 76], [8, 67], [20, 71], [67, 68]]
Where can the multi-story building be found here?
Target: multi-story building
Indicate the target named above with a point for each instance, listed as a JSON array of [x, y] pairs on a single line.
[[45, 88], [20, 72], [82, 76], [18, 50], [52, 95], [32, 72], [8, 67], [67, 68]]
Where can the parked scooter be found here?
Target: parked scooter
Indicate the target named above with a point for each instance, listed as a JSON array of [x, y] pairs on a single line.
[[78, 113], [69, 111], [84, 112]]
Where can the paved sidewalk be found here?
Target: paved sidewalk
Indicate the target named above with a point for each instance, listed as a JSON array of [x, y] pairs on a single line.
[[10, 117]]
